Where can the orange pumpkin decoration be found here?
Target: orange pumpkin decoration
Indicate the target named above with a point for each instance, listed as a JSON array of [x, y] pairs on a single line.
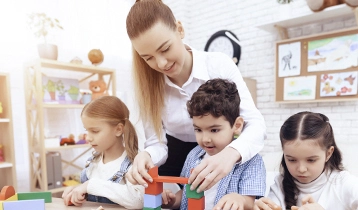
[[96, 56]]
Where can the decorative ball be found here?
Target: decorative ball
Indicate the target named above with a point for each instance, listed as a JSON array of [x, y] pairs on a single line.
[[95, 56]]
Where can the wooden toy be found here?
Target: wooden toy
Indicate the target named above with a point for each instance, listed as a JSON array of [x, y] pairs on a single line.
[[153, 193], [10, 200]]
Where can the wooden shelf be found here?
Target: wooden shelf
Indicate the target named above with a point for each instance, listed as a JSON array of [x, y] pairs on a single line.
[[63, 106], [7, 168], [308, 17], [5, 165], [37, 112], [4, 120], [68, 147]]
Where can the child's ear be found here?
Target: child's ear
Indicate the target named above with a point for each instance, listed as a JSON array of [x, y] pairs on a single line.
[[119, 129], [238, 125], [329, 153], [180, 29]]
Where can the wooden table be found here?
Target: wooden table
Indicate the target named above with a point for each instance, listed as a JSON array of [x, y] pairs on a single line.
[[57, 204]]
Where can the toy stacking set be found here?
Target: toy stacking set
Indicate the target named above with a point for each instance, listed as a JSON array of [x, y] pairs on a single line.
[[9, 200], [153, 193]]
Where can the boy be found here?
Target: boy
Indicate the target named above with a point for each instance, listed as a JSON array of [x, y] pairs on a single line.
[[214, 108]]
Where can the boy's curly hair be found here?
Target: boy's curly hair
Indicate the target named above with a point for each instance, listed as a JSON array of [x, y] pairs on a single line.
[[218, 97]]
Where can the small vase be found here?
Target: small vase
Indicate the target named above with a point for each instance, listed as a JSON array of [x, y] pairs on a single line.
[[47, 51]]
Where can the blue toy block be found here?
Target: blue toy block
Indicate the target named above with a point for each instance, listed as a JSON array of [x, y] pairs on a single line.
[[25, 204], [152, 201]]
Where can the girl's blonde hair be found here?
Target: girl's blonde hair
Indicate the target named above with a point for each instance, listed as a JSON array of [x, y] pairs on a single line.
[[114, 111], [149, 83]]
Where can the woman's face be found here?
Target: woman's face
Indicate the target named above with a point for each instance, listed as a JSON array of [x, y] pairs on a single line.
[[162, 49]]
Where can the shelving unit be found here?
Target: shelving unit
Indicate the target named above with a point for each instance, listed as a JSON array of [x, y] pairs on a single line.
[[36, 112], [7, 168], [307, 18]]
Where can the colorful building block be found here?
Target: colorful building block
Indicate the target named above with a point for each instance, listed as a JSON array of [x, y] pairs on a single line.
[[47, 196], [147, 208], [193, 193], [153, 188], [38, 204], [6, 192], [196, 203], [171, 179], [152, 201]]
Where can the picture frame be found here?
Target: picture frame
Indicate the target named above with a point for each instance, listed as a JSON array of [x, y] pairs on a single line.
[[332, 53]]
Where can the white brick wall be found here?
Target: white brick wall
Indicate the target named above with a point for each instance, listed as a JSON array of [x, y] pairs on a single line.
[[205, 17]]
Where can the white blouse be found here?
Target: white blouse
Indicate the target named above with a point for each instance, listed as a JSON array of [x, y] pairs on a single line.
[[176, 120], [335, 191]]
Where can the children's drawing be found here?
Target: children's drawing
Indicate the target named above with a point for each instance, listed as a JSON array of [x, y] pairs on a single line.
[[299, 88], [289, 63], [333, 53], [60, 90], [338, 84]]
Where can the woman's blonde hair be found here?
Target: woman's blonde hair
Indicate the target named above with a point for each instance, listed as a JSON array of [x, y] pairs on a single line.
[[114, 111], [149, 83]]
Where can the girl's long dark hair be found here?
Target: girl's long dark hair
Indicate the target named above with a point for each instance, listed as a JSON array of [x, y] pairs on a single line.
[[307, 126]]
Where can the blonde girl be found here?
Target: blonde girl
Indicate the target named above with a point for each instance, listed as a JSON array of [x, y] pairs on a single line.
[[115, 145]]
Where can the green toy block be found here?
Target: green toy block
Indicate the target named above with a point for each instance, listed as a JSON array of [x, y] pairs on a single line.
[[35, 195], [193, 193], [147, 208]]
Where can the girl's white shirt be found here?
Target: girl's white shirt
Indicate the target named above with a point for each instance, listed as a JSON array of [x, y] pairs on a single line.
[[124, 193], [176, 120], [333, 191]]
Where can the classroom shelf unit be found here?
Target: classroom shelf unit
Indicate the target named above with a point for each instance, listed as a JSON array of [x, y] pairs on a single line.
[[7, 166], [37, 108]]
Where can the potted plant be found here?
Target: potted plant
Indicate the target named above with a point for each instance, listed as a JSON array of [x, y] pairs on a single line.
[[284, 1], [42, 25], [61, 90], [51, 89], [73, 92]]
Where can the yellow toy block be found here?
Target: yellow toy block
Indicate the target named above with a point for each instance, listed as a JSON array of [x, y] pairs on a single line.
[[13, 198]]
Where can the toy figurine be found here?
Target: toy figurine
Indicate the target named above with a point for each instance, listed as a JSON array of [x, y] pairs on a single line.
[[1, 153], [82, 139], [68, 141]]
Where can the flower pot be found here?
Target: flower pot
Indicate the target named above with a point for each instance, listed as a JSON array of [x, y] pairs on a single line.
[[47, 51]]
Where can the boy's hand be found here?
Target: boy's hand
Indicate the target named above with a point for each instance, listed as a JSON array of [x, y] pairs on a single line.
[[231, 201], [79, 194], [142, 162], [213, 169], [168, 199], [266, 204]]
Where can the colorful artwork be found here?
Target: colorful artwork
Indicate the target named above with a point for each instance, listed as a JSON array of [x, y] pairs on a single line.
[[338, 84], [289, 63], [60, 90], [299, 88], [333, 53]]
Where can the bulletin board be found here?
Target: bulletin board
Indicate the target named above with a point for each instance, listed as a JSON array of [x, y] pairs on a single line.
[[317, 68]]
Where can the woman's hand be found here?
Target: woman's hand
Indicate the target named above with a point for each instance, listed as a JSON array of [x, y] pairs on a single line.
[[213, 169], [232, 201], [79, 194], [168, 199], [266, 204], [142, 162]]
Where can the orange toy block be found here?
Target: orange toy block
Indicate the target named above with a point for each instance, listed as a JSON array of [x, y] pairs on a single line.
[[6, 192], [154, 188], [197, 204], [171, 179]]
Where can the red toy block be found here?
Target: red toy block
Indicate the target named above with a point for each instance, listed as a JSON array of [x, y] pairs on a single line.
[[197, 204], [6, 192], [153, 188], [171, 179]]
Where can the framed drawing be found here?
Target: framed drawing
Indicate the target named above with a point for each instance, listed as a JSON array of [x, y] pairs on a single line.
[[316, 68], [60, 90]]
